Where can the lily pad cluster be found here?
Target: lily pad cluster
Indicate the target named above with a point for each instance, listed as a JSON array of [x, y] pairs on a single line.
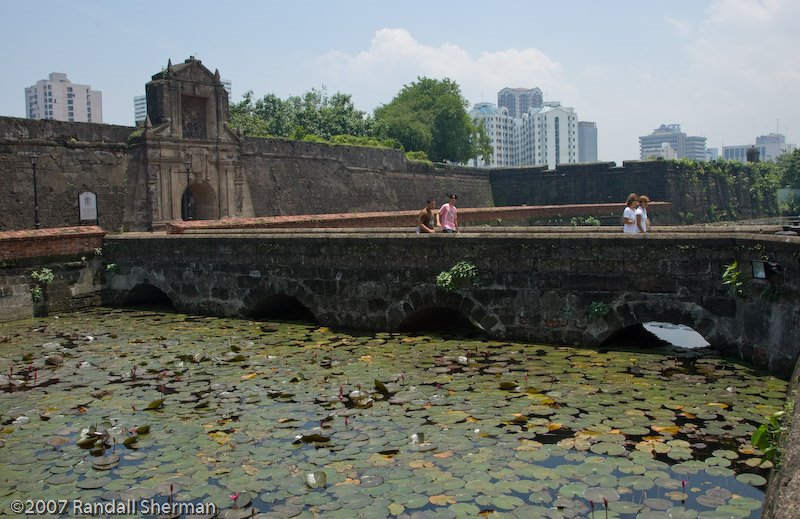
[[286, 419]]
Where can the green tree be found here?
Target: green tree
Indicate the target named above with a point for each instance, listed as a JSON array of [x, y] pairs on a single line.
[[789, 164], [243, 117], [314, 114], [483, 145], [430, 115]]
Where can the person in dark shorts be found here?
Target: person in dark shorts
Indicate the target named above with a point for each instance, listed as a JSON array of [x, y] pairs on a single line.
[[426, 220]]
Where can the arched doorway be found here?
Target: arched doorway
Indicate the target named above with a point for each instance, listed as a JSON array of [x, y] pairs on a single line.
[[199, 202]]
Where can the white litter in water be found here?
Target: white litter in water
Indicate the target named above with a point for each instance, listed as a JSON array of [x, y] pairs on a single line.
[[678, 335]]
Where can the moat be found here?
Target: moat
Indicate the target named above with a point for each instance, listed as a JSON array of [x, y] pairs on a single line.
[[290, 419]]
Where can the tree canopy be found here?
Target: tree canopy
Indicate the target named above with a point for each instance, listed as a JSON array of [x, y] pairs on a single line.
[[430, 115], [427, 117], [313, 113], [789, 163]]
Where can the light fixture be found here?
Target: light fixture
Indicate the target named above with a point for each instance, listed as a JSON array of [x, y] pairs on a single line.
[[764, 269]]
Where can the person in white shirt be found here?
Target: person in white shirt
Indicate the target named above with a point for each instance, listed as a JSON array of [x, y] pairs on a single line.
[[629, 215], [642, 222]]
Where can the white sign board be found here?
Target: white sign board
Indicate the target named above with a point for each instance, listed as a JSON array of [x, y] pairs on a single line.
[[88, 204]]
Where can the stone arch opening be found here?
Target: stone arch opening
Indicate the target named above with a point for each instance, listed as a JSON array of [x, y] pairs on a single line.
[[282, 308], [439, 319], [202, 204], [656, 333], [149, 296]]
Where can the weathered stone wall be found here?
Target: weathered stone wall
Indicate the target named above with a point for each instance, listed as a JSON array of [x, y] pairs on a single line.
[[76, 285], [74, 255], [536, 287], [73, 158], [695, 197], [295, 177]]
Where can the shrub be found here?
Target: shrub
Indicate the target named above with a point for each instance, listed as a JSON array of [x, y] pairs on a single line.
[[732, 277], [462, 275]]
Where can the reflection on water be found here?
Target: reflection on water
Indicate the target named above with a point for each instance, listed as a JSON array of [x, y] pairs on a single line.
[[298, 420], [678, 335]]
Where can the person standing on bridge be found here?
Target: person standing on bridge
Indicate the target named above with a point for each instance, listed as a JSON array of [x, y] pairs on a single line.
[[642, 222], [426, 220], [448, 215], [629, 215]]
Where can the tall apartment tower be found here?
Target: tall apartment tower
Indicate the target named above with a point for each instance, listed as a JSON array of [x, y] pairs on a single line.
[[587, 141], [519, 100], [140, 103], [547, 135], [668, 139], [59, 99]]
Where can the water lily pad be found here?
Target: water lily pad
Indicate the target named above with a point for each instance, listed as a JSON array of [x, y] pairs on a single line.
[[751, 479]]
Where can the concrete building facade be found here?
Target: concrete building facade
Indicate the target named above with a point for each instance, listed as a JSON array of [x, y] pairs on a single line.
[[57, 98], [587, 141], [519, 100], [684, 147], [546, 135]]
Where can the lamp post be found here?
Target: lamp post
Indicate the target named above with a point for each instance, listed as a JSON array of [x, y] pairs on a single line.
[[188, 166], [34, 159]]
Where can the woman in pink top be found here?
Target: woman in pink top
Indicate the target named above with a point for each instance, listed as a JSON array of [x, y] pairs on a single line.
[[448, 215]]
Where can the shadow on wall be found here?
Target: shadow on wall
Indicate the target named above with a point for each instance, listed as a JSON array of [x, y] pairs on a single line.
[[437, 319], [149, 296], [282, 308]]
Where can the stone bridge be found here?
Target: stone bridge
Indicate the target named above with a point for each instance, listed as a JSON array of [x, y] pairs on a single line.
[[536, 284]]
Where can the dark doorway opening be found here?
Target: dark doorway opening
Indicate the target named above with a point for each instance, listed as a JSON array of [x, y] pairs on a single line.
[[282, 308], [150, 297]]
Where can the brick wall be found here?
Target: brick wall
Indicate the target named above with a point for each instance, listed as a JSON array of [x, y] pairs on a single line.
[[64, 241]]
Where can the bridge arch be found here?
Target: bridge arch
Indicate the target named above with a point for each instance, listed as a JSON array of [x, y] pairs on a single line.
[[628, 314], [278, 297], [421, 302], [145, 294]]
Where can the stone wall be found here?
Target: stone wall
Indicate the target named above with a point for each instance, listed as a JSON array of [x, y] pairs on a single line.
[[136, 179], [73, 255], [534, 287], [73, 158], [296, 177]]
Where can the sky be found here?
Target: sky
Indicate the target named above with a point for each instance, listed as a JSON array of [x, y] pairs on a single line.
[[723, 69]]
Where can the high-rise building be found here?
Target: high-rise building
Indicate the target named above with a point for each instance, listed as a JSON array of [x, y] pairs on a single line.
[[140, 102], [519, 100], [587, 141], [691, 147], [59, 99], [139, 108], [774, 146], [546, 135], [500, 130]]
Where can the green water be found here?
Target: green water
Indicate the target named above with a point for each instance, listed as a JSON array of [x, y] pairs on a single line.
[[296, 420]]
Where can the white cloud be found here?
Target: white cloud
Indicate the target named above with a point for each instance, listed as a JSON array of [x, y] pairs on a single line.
[[742, 62], [395, 58]]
